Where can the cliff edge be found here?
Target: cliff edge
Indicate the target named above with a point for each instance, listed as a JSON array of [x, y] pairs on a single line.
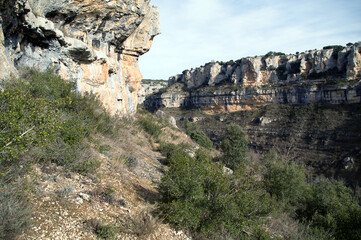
[[329, 75], [94, 43]]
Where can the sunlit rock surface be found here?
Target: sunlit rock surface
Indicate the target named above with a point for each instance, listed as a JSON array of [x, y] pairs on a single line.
[[328, 75], [94, 43]]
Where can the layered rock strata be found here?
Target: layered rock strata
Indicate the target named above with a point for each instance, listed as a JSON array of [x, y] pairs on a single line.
[[232, 101], [330, 75], [94, 43]]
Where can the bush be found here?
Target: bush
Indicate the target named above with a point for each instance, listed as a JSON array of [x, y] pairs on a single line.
[[86, 166], [270, 54], [285, 180], [169, 150], [25, 122], [331, 207], [149, 125], [141, 225], [43, 115], [198, 136], [197, 196], [72, 132], [15, 213], [234, 146], [105, 149], [102, 230]]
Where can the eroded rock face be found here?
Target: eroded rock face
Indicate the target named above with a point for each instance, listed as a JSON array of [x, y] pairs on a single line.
[[329, 75], [281, 69], [149, 87], [233, 101], [95, 43]]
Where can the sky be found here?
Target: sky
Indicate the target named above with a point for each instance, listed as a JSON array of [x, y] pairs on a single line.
[[195, 32]]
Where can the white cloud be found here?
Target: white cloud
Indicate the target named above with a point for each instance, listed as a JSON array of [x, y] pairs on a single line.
[[197, 31]]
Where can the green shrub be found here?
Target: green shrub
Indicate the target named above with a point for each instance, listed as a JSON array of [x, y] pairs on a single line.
[[15, 213], [86, 166], [331, 207], [105, 149], [25, 122], [102, 230], [46, 85], [149, 125], [285, 180], [43, 115], [272, 68], [234, 146], [72, 131], [270, 54], [198, 136], [197, 196]]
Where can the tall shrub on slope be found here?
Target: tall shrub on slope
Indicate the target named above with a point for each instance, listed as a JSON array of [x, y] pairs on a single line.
[[234, 146], [198, 196]]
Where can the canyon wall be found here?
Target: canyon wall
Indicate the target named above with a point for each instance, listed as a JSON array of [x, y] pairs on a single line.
[[330, 75], [277, 68], [237, 100], [94, 43]]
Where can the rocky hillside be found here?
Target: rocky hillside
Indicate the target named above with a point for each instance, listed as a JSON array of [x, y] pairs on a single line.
[[305, 105], [329, 75], [69, 170], [94, 43]]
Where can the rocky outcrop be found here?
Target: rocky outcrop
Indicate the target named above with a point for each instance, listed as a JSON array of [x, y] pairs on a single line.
[[150, 87], [232, 101], [94, 43], [330, 75], [277, 68]]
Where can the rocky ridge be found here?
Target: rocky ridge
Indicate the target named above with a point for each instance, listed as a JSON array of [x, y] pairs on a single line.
[[329, 75], [93, 43]]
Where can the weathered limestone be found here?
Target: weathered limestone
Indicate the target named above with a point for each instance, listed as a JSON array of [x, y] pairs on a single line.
[[95, 43], [149, 87], [232, 101], [282, 69], [329, 75]]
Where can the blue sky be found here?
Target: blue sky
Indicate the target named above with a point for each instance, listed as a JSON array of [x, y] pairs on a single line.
[[195, 32]]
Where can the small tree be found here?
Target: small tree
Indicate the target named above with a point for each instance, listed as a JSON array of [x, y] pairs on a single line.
[[234, 146], [284, 179], [332, 207], [198, 135], [198, 196]]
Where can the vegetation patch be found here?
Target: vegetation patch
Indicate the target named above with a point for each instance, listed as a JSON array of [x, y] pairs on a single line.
[[197, 196], [150, 125], [15, 212], [234, 147], [43, 119], [198, 135]]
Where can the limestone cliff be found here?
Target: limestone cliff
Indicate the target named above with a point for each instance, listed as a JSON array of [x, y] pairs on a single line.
[[277, 68], [94, 43], [150, 87], [329, 75]]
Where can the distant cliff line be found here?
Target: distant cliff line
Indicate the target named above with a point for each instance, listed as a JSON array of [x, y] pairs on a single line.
[[329, 75]]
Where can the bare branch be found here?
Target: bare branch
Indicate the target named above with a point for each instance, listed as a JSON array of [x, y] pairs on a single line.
[[24, 133]]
